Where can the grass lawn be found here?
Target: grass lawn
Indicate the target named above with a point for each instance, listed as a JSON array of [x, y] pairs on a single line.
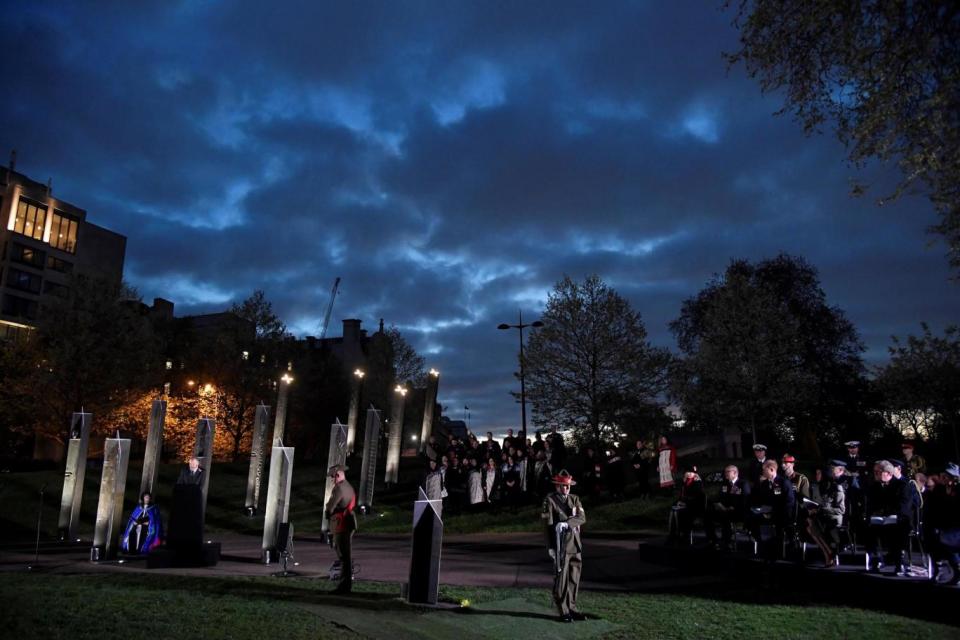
[[228, 481], [161, 606]]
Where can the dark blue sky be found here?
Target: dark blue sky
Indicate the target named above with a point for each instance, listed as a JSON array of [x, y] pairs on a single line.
[[450, 161]]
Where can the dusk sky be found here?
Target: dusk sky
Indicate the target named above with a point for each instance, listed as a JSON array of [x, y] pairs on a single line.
[[450, 162]]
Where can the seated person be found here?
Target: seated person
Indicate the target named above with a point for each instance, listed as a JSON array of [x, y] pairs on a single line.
[[824, 520], [941, 522], [730, 507], [144, 530], [801, 485], [691, 503], [772, 507], [889, 516]]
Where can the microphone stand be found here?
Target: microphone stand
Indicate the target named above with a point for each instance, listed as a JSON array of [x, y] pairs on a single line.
[[36, 555]]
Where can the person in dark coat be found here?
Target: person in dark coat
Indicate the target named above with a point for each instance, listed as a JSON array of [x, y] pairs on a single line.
[[192, 473], [889, 515], [640, 459], [773, 508], [756, 464], [616, 473], [730, 507], [941, 522]]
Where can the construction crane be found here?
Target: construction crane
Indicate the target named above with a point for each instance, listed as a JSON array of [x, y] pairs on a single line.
[[326, 317]]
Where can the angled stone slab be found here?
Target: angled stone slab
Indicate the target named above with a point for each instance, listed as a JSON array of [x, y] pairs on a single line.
[[203, 451], [424, 583], [277, 508], [368, 470], [113, 482], [396, 434], [336, 454], [257, 451], [429, 406], [73, 475], [151, 457]]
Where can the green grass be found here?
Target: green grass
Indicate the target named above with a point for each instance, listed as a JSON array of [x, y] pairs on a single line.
[[394, 507], [129, 605]]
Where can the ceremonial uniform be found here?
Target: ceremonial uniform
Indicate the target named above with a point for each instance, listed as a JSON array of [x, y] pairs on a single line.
[[562, 517], [343, 523], [729, 508]]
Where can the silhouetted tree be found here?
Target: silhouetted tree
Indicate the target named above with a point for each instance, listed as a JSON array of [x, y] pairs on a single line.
[[591, 354], [764, 351], [921, 385]]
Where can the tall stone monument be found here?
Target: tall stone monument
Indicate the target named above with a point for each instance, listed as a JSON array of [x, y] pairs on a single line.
[[396, 434], [424, 584], [352, 417], [368, 470], [106, 532], [203, 451], [280, 421], [336, 454], [277, 509], [151, 457], [429, 405], [73, 475], [255, 475]]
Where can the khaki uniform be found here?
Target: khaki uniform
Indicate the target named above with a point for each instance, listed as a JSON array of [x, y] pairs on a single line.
[[558, 508], [343, 522]]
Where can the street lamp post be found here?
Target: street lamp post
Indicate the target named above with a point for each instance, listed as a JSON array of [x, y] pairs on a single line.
[[523, 390]]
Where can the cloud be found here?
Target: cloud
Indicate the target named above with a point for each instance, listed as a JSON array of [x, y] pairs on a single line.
[[450, 162]]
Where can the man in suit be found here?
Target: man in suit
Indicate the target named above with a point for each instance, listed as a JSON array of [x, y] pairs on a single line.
[[192, 473], [562, 517]]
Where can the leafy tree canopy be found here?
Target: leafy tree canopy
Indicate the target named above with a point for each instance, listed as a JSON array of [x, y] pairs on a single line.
[[885, 73]]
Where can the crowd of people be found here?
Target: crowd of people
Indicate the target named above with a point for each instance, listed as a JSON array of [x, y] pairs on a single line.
[[473, 474], [854, 501]]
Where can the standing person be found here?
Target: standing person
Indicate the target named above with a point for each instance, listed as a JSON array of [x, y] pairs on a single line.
[[915, 464], [756, 465], [562, 517], [475, 493], [557, 447], [667, 464], [640, 461], [343, 524], [192, 473], [616, 475]]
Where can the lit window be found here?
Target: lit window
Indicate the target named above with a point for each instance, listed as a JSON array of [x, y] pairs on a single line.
[[63, 232], [245, 355], [30, 219], [169, 365]]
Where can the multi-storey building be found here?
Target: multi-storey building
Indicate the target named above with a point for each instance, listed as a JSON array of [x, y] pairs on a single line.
[[43, 242]]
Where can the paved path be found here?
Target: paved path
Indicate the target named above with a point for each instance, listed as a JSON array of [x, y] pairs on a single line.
[[488, 560]]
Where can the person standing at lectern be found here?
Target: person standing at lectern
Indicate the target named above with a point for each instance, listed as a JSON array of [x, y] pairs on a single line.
[[343, 523], [563, 516], [192, 473]]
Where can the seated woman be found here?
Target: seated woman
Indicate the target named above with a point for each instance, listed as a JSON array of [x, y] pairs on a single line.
[[691, 503], [144, 530]]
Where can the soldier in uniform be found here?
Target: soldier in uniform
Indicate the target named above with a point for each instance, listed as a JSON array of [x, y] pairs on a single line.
[[563, 516], [856, 464], [756, 465], [801, 485], [343, 523], [915, 464]]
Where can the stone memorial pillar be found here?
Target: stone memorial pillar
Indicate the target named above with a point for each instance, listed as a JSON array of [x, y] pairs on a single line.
[[336, 454], [73, 475], [368, 470], [109, 524], [254, 476], [203, 451], [277, 508], [429, 404], [396, 434], [354, 413], [280, 421], [424, 584], [151, 457]]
